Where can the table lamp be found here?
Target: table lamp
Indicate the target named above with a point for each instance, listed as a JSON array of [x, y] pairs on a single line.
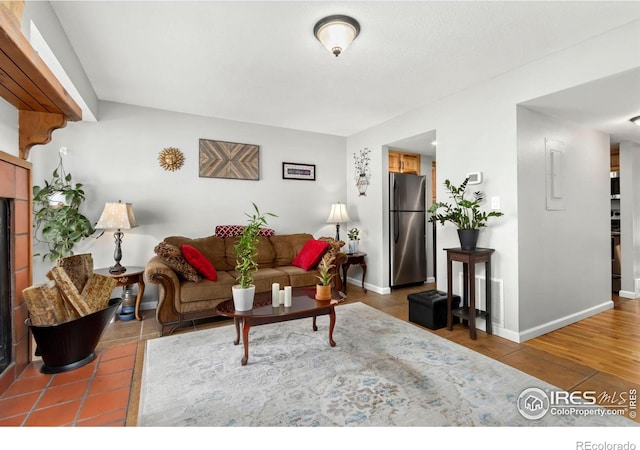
[[338, 214], [117, 216]]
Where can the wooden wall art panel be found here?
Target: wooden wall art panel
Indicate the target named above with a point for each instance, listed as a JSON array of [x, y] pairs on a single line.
[[220, 159]]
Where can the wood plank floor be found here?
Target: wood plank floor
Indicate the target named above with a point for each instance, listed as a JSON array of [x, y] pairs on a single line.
[[600, 353]]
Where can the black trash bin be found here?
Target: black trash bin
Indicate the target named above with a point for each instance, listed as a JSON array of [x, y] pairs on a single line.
[[429, 308]]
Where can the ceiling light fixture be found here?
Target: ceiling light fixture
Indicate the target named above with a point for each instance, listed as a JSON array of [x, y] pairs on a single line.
[[336, 32], [636, 120]]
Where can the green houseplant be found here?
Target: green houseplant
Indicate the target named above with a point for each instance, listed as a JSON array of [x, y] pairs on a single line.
[[463, 212], [57, 217], [354, 238], [246, 265], [323, 288]]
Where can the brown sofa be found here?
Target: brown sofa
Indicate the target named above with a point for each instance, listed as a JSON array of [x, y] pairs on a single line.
[[180, 299]]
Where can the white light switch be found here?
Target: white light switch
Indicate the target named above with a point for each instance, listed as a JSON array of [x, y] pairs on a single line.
[[495, 202]]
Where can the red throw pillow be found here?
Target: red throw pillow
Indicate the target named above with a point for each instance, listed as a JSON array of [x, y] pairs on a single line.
[[311, 254], [199, 262]]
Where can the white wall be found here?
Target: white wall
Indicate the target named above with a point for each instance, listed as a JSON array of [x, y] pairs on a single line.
[[630, 219], [477, 131], [8, 128], [564, 256], [116, 159]]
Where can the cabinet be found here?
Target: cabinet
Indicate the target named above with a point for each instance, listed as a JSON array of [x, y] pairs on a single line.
[[401, 162], [615, 158]]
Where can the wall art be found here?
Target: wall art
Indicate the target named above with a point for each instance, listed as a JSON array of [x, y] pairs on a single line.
[[221, 159], [294, 171], [171, 159]]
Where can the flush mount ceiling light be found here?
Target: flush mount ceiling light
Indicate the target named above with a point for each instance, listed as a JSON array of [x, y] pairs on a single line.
[[636, 120], [336, 32]]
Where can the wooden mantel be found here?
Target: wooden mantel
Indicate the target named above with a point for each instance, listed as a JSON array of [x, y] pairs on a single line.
[[28, 84]]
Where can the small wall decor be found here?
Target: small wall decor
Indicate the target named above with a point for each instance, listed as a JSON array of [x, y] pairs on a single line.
[[362, 174], [220, 159], [554, 179], [171, 159], [293, 171]]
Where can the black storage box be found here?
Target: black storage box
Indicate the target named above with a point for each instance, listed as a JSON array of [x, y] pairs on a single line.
[[429, 308]]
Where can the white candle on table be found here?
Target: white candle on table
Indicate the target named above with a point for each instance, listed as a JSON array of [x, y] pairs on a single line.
[[282, 297], [287, 296], [275, 295]]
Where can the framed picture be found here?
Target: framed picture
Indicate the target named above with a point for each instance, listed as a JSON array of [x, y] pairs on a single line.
[[293, 171], [221, 159]]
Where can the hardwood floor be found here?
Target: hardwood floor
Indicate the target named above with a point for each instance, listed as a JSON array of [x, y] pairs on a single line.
[[601, 353]]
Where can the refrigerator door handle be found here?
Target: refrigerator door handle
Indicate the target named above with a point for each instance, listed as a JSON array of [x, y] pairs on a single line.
[[396, 229]]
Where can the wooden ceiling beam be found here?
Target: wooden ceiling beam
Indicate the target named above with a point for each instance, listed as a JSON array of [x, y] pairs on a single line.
[[27, 83]]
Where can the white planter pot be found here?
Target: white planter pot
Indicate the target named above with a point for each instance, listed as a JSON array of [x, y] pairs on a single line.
[[353, 246], [243, 297]]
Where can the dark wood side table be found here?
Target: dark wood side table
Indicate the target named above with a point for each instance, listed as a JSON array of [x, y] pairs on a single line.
[[354, 258], [132, 275], [468, 311]]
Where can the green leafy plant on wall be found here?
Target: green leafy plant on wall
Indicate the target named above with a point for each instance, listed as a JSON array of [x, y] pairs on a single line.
[[58, 222]]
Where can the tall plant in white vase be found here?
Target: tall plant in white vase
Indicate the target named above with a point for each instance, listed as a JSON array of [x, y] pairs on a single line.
[[246, 265]]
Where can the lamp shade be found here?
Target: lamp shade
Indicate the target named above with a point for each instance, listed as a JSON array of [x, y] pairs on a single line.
[[117, 216], [336, 32], [636, 120], [338, 213]]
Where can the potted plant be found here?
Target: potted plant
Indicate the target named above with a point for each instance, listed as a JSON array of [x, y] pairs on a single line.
[[56, 208], [354, 239], [246, 264], [323, 289], [464, 213]]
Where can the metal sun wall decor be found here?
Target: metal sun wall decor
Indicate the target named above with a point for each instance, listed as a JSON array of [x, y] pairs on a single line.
[[220, 159], [362, 174], [171, 159]]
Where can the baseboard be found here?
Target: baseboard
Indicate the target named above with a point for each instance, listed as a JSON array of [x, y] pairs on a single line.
[[148, 305], [562, 322], [628, 294], [431, 279]]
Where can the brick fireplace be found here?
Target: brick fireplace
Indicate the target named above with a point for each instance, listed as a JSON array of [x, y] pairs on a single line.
[[15, 188]]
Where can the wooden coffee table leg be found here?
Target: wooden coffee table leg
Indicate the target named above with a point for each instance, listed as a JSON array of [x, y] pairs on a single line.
[[332, 323], [236, 322], [245, 341]]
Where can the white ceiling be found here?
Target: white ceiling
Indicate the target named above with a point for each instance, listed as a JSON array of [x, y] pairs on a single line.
[[259, 62]]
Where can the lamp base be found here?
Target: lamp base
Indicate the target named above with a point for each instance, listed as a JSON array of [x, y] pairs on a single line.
[[118, 268]]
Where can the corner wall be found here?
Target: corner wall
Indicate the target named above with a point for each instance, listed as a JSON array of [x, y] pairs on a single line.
[[564, 258]]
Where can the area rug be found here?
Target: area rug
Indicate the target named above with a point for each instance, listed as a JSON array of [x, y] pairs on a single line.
[[383, 372]]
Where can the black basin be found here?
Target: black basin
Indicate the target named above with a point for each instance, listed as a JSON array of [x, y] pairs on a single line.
[[71, 345]]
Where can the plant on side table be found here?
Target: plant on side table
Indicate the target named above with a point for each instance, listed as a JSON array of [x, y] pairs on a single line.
[[56, 208], [354, 240], [323, 289], [465, 214], [246, 265]]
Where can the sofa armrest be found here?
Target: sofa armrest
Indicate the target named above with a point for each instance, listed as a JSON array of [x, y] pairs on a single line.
[[156, 271]]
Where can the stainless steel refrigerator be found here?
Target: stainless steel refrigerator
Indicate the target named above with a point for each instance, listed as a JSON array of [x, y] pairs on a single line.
[[407, 228]]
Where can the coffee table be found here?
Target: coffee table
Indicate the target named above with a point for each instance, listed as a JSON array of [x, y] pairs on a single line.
[[303, 305]]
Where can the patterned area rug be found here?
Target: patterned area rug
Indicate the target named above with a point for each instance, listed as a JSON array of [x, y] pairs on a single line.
[[383, 372]]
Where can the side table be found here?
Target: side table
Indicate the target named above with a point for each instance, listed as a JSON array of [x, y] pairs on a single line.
[[468, 311], [132, 275], [354, 258]]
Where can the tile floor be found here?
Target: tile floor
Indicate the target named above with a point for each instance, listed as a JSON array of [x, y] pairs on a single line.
[[94, 395]]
